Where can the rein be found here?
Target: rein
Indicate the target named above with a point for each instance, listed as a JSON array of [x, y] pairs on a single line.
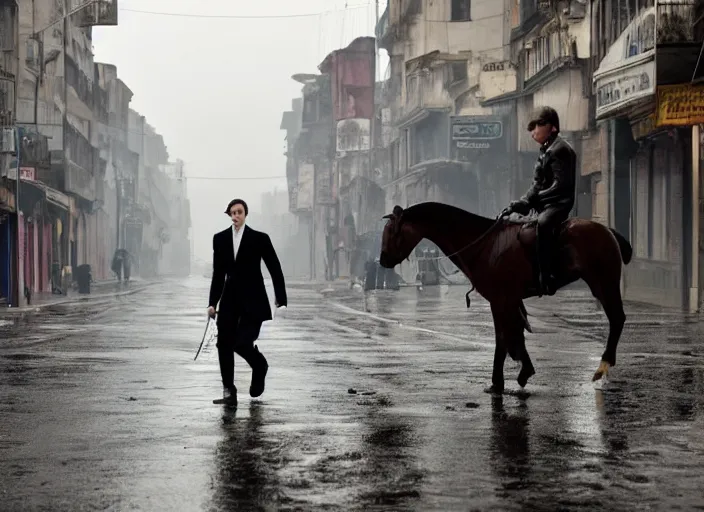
[[470, 245]]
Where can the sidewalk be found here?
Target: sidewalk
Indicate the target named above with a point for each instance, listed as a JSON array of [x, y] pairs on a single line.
[[99, 290]]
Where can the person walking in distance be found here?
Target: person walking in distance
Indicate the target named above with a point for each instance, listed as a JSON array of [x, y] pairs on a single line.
[[238, 285]]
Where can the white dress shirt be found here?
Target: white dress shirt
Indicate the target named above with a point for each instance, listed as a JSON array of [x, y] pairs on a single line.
[[237, 238]]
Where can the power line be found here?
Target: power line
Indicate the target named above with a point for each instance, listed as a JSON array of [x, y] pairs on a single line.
[[245, 17], [228, 178]]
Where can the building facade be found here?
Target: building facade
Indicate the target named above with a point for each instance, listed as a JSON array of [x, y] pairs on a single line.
[[646, 56], [66, 153], [450, 116]]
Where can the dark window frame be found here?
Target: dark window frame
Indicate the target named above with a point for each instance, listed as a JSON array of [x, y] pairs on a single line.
[[461, 10]]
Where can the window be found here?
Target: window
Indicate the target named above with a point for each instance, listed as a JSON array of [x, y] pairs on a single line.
[[458, 72], [429, 139], [461, 10], [310, 108]]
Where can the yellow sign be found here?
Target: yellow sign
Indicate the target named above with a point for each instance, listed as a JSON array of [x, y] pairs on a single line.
[[680, 105]]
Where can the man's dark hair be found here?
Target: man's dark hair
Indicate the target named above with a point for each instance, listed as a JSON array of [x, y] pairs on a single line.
[[237, 201], [543, 116]]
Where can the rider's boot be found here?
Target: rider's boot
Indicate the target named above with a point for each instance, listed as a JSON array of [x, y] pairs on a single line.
[[547, 285]]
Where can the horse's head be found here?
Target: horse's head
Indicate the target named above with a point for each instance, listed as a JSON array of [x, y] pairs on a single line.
[[398, 240]]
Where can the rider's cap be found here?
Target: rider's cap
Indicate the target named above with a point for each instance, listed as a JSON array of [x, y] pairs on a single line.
[[543, 116]]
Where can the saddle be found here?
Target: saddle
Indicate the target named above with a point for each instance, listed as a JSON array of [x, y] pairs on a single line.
[[528, 230]]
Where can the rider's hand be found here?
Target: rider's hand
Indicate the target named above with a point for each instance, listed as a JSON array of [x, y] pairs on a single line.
[[211, 312]]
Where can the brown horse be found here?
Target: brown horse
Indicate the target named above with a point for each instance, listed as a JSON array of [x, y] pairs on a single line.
[[500, 260]]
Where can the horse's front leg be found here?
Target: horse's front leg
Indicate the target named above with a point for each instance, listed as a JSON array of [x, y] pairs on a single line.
[[497, 374], [509, 324]]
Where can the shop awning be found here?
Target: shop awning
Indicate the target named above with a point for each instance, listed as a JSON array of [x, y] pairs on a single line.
[[33, 191]]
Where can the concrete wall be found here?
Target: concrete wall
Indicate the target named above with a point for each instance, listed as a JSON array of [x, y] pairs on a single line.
[[433, 30]]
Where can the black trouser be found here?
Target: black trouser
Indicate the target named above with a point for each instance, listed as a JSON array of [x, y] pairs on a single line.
[[237, 336], [549, 220]]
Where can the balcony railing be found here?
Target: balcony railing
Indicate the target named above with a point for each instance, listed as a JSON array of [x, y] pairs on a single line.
[[675, 21], [423, 91]]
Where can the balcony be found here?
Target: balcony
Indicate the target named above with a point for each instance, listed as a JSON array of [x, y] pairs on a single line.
[[532, 14], [100, 13], [35, 149], [425, 92], [627, 77], [675, 22]]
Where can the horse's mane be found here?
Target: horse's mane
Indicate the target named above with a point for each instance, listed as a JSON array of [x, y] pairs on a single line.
[[445, 215]]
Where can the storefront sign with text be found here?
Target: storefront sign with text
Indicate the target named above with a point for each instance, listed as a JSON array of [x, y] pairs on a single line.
[[680, 105], [472, 133], [26, 173]]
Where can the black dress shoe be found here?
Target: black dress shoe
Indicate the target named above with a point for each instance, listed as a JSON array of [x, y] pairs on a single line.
[[229, 397], [259, 370]]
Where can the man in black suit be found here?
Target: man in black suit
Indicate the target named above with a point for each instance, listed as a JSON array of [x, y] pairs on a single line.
[[244, 305]]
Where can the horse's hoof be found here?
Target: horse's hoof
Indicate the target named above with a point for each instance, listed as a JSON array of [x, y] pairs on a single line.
[[494, 390], [602, 371], [524, 375]]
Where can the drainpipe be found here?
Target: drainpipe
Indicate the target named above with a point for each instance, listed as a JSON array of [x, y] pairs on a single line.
[[696, 179]]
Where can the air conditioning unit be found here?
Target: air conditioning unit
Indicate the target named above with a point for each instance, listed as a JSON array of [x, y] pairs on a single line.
[[7, 141]]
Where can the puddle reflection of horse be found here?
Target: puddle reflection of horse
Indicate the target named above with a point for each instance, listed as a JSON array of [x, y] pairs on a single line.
[[499, 258]]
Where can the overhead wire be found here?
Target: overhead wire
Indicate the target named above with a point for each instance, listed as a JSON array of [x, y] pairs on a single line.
[[235, 178], [246, 16]]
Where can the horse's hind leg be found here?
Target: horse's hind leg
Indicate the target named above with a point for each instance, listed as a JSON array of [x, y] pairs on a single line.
[[518, 341], [510, 339], [527, 369], [610, 297]]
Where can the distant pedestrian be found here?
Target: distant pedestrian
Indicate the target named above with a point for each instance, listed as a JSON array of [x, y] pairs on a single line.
[[238, 285], [122, 264]]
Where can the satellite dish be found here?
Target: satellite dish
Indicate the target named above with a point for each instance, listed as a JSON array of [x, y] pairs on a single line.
[[304, 78]]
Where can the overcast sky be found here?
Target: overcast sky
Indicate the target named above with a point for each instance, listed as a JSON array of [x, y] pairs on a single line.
[[216, 87]]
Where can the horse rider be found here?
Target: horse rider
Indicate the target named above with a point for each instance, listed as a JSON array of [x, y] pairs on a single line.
[[552, 194]]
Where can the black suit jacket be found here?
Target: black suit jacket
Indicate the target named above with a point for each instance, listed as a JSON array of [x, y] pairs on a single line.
[[239, 285]]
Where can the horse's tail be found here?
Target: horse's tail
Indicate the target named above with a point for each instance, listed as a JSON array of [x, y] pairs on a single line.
[[624, 246]]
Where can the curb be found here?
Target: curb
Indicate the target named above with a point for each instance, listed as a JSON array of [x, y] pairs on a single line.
[[16, 313]]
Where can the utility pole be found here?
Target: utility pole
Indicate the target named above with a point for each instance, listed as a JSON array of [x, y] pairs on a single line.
[[20, 268], [64, 138]]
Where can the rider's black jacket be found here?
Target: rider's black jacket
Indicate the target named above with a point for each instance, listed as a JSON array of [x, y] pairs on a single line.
[[554, 177]]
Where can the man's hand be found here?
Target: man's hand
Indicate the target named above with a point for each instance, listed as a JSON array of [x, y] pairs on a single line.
[[211, 312]]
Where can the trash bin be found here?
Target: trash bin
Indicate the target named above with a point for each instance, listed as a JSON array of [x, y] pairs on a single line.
[[83, 278]]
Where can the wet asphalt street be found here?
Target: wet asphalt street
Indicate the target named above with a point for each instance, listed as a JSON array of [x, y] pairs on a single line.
[[103, 408]]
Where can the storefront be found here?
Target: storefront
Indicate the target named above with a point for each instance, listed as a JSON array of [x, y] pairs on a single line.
[[8, 226], [660, 170], [43, 213]]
